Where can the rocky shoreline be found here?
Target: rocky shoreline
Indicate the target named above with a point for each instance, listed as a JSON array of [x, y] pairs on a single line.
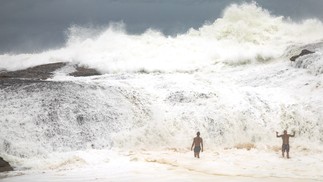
[[36, 74]]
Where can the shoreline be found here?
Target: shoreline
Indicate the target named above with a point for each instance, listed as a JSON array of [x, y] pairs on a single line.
[[167, 165]]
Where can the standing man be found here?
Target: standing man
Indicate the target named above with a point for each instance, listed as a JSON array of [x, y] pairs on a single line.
[[198, 143], [285, 138]]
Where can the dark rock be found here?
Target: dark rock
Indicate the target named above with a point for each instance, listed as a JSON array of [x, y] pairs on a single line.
[[45, 71], [41, 72], [4, 165], [82, 71], [304, 52]]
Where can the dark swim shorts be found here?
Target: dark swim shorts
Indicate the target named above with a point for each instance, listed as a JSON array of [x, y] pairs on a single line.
[[285, 147], [197, 149]]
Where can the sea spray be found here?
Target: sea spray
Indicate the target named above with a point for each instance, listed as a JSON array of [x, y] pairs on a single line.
[[244, 34]]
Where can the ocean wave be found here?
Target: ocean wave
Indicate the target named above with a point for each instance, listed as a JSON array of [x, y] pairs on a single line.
[[245, 34]]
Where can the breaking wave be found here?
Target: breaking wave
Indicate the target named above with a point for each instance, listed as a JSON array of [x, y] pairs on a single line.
[[244, 34]]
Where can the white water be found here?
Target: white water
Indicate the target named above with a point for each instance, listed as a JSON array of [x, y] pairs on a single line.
[[231, 80], [244, 34]]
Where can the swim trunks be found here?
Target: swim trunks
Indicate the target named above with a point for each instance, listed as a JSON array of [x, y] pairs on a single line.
[[197, 149], [285, 147]]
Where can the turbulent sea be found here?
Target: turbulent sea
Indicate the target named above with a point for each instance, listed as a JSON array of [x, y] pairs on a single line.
[[230, 79]]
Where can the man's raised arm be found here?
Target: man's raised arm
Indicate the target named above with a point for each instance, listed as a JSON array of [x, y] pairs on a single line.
[[292, 134], [277, 134]]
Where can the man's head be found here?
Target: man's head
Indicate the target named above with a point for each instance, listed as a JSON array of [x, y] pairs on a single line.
[[198, 133], [285, 131]]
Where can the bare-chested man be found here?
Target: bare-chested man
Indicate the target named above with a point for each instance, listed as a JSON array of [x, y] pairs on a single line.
[[285, 146], [198, 143]]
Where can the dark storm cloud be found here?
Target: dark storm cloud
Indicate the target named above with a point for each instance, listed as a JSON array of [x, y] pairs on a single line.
[[35, 25]]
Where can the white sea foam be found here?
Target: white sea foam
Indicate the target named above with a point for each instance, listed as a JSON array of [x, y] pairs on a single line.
[[245, 33]]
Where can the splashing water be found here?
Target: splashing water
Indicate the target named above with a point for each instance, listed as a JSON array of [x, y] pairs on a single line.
[[246, 33]]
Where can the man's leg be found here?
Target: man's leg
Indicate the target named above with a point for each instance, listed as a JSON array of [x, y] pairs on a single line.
[[287, 150]]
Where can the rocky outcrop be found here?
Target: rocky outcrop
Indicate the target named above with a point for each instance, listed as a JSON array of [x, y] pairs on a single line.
[[307, 56], [304, 52], [4, 165], [82, 71], [43, 72]]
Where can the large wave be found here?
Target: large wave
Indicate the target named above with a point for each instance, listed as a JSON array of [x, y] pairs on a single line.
[[245, 33]]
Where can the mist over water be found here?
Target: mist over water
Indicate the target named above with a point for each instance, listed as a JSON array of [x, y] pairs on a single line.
[[228, 79]]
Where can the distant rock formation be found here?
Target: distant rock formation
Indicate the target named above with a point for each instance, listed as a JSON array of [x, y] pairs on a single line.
[[43, 72], [304, 52], [4, 166], [82, 71]]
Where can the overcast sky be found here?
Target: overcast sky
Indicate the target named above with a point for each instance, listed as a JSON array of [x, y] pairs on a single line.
[[35, 25]]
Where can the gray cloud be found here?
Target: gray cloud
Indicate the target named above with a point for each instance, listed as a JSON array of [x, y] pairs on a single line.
[[35, 25]]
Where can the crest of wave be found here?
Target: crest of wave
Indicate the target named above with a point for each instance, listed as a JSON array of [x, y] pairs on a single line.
[[248, 33], [245, 33]]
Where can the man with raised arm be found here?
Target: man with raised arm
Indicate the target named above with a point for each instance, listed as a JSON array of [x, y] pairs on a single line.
[[285, 138], [198, 143]]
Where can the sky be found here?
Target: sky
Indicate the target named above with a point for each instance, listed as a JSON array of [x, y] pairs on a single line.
[[36, 25]]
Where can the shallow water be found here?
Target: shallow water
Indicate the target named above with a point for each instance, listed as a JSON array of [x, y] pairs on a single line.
[[180, 165]]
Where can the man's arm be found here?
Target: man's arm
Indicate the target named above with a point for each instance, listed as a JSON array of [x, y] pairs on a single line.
[[292, 134], [277, 134]]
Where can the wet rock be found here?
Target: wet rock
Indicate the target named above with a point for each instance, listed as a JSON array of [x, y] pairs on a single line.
[[40, 72], [83, 71], [45, 71], [4, 165], [304, 52]]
